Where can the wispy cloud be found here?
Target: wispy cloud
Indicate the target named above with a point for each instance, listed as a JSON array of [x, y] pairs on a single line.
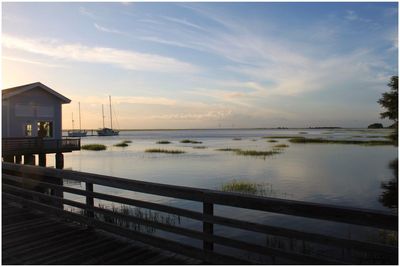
[[208, 115], [98, 100], [275, 66], [183, 22], [126, 59], [351, 15], [109, 30], [163, 41], [87, 13], [35, 62]]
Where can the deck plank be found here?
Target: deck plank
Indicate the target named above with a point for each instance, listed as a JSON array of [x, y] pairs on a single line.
[[33, 238]]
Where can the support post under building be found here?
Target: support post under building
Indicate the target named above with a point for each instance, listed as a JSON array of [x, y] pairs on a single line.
[[18, 159], [42, 160], [29, 159]]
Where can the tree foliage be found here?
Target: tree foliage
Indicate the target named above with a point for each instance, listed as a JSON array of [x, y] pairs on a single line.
[[389, 100]]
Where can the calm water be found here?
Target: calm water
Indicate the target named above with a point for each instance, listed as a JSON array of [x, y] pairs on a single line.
[[349, 175], [327, 173]]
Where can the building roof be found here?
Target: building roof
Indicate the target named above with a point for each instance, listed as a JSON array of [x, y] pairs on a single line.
[[10, 92]]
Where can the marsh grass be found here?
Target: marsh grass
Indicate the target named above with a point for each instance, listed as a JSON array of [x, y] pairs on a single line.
[[143, 214], [188, 141], [303, 132], [167, 151], [272, 141], [303, 140], [94, 147], [228, 149], [280, 137], [164, 142], [241, 187], [127, 141], [199, 147], [236, 138], [254, 153], [251, 188], [281, 145], [121, 144]]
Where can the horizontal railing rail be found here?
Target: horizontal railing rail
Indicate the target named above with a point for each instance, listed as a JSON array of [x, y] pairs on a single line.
[[35, 145], [17, 177]]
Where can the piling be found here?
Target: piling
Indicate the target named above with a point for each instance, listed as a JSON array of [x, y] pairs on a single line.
[[29, 159], [42, 160], [18, 159], [59, 160]]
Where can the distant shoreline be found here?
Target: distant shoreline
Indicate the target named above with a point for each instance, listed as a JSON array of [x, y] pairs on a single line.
[[225, 129]]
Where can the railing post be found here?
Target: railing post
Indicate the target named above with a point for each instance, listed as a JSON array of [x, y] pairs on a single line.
[[58, 192], [89, 200], [208, 228]]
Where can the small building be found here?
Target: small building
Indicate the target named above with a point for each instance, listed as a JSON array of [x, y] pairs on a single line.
[[32, 123]]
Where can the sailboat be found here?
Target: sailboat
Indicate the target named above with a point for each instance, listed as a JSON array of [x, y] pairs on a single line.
[[77, 133], [107, 131]]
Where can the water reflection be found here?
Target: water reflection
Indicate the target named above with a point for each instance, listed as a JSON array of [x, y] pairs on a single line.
[[389, 196]]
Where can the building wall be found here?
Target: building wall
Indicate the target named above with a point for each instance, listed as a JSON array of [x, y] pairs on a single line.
[[29, 108]]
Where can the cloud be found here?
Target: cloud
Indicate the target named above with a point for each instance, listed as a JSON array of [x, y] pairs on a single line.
[[98, 100], [183, 22], [104, 29], [209, 115], [86, 13], [163, 41], [276, 66], [23, 60], [351, 15], [125, 59]]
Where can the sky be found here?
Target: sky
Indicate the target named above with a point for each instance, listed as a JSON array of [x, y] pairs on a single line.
[[206, 65]]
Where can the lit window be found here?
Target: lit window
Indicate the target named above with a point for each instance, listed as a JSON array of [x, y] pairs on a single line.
[[45, 129], [28, 130]]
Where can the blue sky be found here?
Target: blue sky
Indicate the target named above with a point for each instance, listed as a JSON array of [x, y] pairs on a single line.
[[199, 65]]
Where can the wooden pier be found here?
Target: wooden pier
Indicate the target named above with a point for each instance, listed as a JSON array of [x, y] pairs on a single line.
[[34, 238], [41, 190]]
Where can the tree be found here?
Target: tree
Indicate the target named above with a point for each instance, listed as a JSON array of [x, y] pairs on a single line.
[[375, 126], [389, 101]]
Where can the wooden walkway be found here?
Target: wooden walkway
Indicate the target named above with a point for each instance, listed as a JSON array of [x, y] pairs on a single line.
[[31, 238]]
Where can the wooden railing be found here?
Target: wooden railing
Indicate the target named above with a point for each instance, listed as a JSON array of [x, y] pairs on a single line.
[[17, 178], [35, 145]]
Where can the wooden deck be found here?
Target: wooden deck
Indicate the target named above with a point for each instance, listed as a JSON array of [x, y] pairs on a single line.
[[44, 189], [35, 145], [34, 238]]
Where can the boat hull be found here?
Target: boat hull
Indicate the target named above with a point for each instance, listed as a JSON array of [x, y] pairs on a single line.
[[107, 132]]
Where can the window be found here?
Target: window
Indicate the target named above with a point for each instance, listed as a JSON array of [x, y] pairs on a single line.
[[28, 129], [45, 129]]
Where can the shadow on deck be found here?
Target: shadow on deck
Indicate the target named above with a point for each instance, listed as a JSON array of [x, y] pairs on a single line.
[[35, 238]]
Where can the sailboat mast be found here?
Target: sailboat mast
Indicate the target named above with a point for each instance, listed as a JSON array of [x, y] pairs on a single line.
[[102, 111], [80, 126], [109, 97], [72, 121]]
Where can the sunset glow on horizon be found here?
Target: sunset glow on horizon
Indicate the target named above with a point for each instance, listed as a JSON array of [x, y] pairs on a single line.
[[206, 65]]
